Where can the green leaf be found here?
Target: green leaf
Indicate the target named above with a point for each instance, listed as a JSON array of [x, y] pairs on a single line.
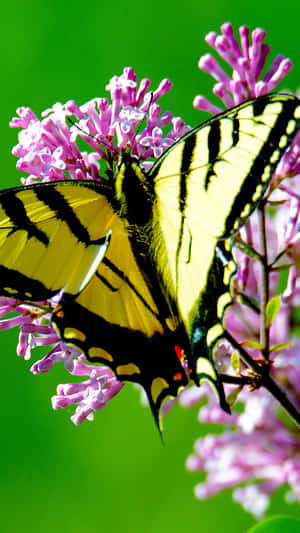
[[272, 309], [252, 343], [231, 398], [282, 268], [273, 203], [296, 315], [247, 249], [279, 524], [236, 361], [278, 347], [249, 301]]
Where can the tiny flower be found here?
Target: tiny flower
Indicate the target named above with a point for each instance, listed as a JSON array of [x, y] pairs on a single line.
[[89, 396], [26, 117], [42, 163], [289, 165], [157, 142], [29, 139], [253, 499]]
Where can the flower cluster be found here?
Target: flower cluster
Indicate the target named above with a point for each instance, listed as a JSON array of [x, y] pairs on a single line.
[[47, 148], [257, 451], [247, 62]]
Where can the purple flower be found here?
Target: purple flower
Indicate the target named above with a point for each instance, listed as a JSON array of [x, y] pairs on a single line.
[[47, 148], [247, 61], [257, 457], [258, 450], [91, 395]]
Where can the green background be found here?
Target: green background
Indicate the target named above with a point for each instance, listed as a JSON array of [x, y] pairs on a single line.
[[112, 474]]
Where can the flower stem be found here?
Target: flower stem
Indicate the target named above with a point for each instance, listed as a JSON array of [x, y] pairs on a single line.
[[236, 380], [264, 281], [265, 379]]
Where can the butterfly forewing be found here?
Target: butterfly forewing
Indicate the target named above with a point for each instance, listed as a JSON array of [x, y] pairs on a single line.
[[205, 188], [45, 242]]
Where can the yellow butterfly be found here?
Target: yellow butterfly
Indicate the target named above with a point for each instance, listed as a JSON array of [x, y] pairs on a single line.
[[146, 263]]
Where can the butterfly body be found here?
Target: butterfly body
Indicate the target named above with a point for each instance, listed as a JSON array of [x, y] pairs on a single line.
[[146, 263]]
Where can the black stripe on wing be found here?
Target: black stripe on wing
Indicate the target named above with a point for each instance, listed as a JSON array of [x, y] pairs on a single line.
[[185, 167], [186, 161], [213, 145], [263, 160], [16, 212], [122, 276], [235, 130], [14, 284], [259, 106], [56, 201]]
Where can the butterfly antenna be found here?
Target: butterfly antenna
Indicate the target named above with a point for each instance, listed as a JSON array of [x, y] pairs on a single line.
[[110, 159], [149, 105], [88, 133], [79, 128], [139, 127]]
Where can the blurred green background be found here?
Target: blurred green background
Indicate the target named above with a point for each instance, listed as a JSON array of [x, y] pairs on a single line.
[[112, 474]]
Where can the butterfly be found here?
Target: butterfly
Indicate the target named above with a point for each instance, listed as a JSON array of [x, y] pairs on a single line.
[[145, 264]]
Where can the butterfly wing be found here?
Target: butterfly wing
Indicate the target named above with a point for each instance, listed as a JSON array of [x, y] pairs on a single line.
[[116, 320], [205, 188], [47, 242], [67, 235]]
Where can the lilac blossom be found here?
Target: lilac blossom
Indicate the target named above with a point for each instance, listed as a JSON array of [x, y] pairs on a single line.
[[47, 148], [89, 396], [247, 61], [257, 451]]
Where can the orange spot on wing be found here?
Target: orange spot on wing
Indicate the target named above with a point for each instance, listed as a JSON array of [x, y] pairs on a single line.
[[177, 376], [179, 352]]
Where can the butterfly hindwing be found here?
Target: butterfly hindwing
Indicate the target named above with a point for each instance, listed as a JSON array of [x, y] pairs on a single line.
[[116, 321]]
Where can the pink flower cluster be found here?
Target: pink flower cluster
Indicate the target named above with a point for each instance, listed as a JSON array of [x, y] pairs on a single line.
[[258, 450], [247, 62], [47, 148]]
